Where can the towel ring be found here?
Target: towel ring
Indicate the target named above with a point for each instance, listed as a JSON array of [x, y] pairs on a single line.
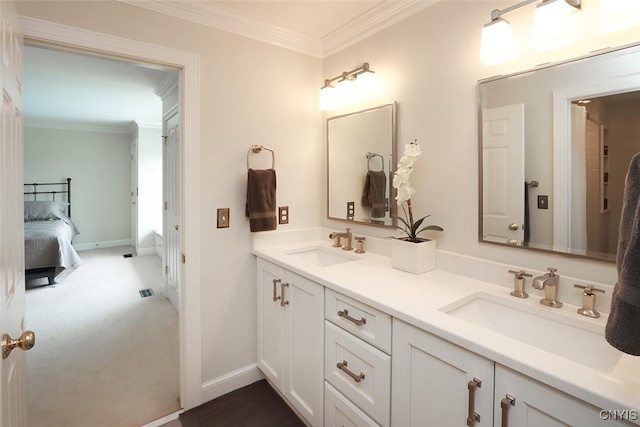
[[369, 156], [257, 149]]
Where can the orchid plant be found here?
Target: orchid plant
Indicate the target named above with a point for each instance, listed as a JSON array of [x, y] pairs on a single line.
[[402, 183]]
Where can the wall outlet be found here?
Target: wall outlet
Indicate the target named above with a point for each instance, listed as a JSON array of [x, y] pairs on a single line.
[[223, 217], [351, 209], [283, 215]]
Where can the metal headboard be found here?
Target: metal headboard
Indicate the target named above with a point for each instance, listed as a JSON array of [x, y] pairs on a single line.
[[51, 188]]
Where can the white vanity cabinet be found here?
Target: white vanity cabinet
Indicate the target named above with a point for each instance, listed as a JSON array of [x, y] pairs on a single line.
[[436, 383], [523, 402], [291, 338], [357, 363]]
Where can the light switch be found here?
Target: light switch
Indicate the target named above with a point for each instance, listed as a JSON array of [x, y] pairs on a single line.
[[223, 217], [543, 202]]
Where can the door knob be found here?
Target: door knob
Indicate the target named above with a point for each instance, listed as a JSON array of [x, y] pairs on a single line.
[[25, 342], [513, 226]]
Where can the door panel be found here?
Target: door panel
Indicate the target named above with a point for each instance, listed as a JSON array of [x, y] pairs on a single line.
[[12, 298], [172, 224], [503, 180]]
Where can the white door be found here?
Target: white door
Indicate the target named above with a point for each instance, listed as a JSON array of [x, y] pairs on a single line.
[[171, 188], [12, 381], [436, 383], [134, 193], [503, 179]]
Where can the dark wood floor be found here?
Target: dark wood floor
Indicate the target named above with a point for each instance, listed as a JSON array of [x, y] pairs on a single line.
[[256, 405]]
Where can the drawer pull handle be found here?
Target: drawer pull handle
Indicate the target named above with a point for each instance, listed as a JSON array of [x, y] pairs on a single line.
[[345, 314], [275, 282], [504, 404], [343, 367], [282, 301], [473, 417]]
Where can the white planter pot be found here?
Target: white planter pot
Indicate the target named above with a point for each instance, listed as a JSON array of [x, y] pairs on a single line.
[[416, 258]]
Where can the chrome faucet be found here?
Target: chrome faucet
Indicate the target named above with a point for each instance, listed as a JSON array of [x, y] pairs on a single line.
[[549, 282], [338, 236]]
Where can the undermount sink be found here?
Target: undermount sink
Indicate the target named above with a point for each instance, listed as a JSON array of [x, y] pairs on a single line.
[[559, 333], [321, 257]]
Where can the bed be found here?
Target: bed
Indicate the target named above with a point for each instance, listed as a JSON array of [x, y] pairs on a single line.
[[49, 231]]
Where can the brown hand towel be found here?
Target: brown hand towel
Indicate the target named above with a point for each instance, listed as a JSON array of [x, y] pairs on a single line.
[[261, 199], [623, 326], [374, 191]]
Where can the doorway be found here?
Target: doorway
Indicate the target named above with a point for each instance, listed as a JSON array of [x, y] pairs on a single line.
[[188, 66]]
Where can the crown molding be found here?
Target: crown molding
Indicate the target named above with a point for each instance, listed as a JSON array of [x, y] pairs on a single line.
[[219, 17], [371, 22], [222, 18], [79, 126]]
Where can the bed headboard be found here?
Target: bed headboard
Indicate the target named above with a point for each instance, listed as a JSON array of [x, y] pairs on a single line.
[[51, 190]]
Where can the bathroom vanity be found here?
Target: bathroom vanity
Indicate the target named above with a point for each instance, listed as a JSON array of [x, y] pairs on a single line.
[[349, 341]]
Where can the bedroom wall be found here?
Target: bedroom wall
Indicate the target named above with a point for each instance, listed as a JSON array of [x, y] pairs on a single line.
[[100, 168], [149, 188], [430, 65], [251, 93]]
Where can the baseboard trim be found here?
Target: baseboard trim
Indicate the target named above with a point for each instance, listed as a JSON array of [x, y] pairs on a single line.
[[146, 251], [230, 382], [164, 420], [106, 244]]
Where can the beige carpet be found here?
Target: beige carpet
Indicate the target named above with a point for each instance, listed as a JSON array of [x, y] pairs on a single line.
[[104, 356]]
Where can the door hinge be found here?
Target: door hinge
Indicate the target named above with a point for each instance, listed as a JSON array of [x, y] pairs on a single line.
[[166, 269], [165, 205], [164, 139], [184, 259]]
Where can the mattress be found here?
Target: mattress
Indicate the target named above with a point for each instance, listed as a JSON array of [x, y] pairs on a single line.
[[48, 244]]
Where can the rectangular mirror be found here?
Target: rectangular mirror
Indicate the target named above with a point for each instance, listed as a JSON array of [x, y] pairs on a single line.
[[361, 153], [555, 147]]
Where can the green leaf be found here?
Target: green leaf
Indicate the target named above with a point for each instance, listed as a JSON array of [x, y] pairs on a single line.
[[430, 227]]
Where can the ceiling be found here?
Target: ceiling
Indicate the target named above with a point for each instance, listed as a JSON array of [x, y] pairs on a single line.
[[70, 90]]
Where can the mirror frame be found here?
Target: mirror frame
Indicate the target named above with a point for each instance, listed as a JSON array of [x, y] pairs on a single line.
[[394, 165], [553, 138]]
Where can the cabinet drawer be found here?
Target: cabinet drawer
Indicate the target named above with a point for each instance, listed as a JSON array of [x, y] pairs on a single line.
[[366, 322], [339, 412], [364, 374]]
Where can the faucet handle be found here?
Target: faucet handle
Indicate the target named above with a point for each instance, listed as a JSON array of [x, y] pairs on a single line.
[[589, 289], [588, 301], [552, 271], [360, 244], [520, 274]]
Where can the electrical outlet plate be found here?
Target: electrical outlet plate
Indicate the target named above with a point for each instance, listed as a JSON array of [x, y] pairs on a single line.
[[223, 217], [543, 202], [283, 215]]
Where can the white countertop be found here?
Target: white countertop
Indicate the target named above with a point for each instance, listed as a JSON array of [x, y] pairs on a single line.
[[416, 299]]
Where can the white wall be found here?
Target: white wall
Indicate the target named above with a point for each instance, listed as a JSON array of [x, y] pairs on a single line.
[[149, 187], [251, 93], [100, 171], [429, 64]]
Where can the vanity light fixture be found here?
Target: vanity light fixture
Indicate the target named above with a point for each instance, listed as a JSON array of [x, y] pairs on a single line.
[[351, 86], [617, 15], [553, 24], [552, 29]]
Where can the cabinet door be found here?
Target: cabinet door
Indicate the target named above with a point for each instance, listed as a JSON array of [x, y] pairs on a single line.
[[304, 347], [535, 404], [433, 382], [271, 323]]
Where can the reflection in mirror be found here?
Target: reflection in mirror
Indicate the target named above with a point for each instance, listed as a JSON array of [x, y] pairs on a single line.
[[361, 162], [555, 146]]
